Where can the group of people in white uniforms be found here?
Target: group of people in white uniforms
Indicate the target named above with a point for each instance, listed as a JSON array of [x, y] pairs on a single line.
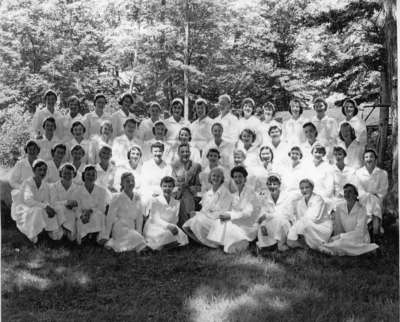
[[223, 182]]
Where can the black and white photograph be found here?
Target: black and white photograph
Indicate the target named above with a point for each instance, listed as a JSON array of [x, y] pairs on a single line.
[[199, 160]]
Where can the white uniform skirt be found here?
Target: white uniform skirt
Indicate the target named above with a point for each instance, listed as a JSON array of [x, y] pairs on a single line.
[[315, 234], [157, 236], [200, 226], [124, 237], [277, 228]]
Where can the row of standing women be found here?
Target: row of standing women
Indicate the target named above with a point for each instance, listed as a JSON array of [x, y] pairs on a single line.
[[224, 181]]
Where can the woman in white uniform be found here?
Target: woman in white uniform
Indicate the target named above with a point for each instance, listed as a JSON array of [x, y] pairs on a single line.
[[97, 117], [310, 218], [119, 117], [48, 140], [77, 156], [354, 149], [176, 121], [123, 143], [247, 143], [133, 164], [146, 126], [185, 137], [105, 169], [78, 131], [31, 208], [275, 216], [98, 141], [250, 121], [215, 201], [293, 127], [351, 236], [58, 153], [269, 114], [292, 174], [201, 127], [124, 221], [350, 111], [237, 227], [63, 198], [161, 230]]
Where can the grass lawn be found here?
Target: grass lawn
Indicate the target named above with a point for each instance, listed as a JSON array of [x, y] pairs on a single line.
[[88, 283]]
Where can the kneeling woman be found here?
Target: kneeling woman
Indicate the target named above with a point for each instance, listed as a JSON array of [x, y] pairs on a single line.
[[215, 201], [92, 203], [31, 208], [161, 228], [275, 216], [312, 218], [238, 226], [351, 236], [124, 220]]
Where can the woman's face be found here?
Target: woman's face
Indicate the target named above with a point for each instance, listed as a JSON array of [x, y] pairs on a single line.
[[238, 158], [127, 102], [134, 156], [295, 108], [105, 155], [239, 178], [339, 156], [318, 155], [107, 129], [346, 132], [349, 109], [217, 131], [319, 107], [349, 193], [41, 171], [246, 137], [159, 130], [130, 128], [67, 174], [167, 188], [32, 150], [275, 134], [100, 104], [59, 154], [90, 176], [184, 153], [265, 155], [306, 189], [200, 110], [370, 159], [128, 184], [154, 112], [177, 110], [49, 127], [78, 131], [184, 136], [247, 110], [212, 157], [310, 133], [77, 154], [73, 108], [273, 186], [295, 155], [268, 114], [51, 100], [157, 153], [216, 178]]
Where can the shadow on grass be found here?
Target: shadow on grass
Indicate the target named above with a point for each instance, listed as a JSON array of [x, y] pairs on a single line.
[[68, 282]]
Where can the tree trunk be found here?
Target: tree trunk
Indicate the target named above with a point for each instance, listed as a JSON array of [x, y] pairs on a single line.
[[186, 62]]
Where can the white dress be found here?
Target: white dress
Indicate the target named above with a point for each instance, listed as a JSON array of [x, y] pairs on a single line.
[[58, 198], [225, 149], [252, 155], [124, 222], [328, 132], [372, 188], [277, 221], [360, 127], [341, 177], [201, 133], [352, 230], [146, 129], [152, 178], [93, 123], [231, 126], [291, 177], [161, 215], [322, 176], [67, 122], [105, 178], [53, 173], [242, 227], [96, 143], [194, 153], [174, 127], [312, 221], [264, 129], [28, 210], [21, 171], [118, 119], [213, 204], [41, 115], [121, 147], [85, 144], [355, 154], [147, 154], [281, 154], [293, 133], [254, 124], [97, 200], [137, 173]]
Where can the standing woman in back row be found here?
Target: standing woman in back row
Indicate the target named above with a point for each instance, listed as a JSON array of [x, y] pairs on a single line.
[[350, 111], [293, 128]]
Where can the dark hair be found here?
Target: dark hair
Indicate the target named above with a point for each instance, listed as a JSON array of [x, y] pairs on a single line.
[[240, 169], [51, 120], [38, 164], [273, 178], [157, 145], [320, 100], [369, 150], [318, 148], [167, 179], [311, 124], [98, 96], [103, 124], [159, 122], [125, 175], [187, 130], [29, 143], [265, 147], [88, 168], [217, 124], [58, 146], [74, 98], [296, 148], [121, 98], [134, 121], [75, 124], [248, 100], [70, 167], [78, 146], [212, 150], [353, 132], [248, 131], [106, 147], [339, 149], [274, 127], [308, 181], [182, 145], [48, 93], [296, 100], [347, 185]]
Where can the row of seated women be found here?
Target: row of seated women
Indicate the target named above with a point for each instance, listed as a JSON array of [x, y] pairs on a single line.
[[228, 219]]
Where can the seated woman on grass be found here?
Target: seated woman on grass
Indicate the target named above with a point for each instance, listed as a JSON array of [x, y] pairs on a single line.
[[350, 230], [275, 216], [237, 227], [124, 221], [216, 201], [92, 204], [310, 219], [161, 230], [31, 208], [63, 198]]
